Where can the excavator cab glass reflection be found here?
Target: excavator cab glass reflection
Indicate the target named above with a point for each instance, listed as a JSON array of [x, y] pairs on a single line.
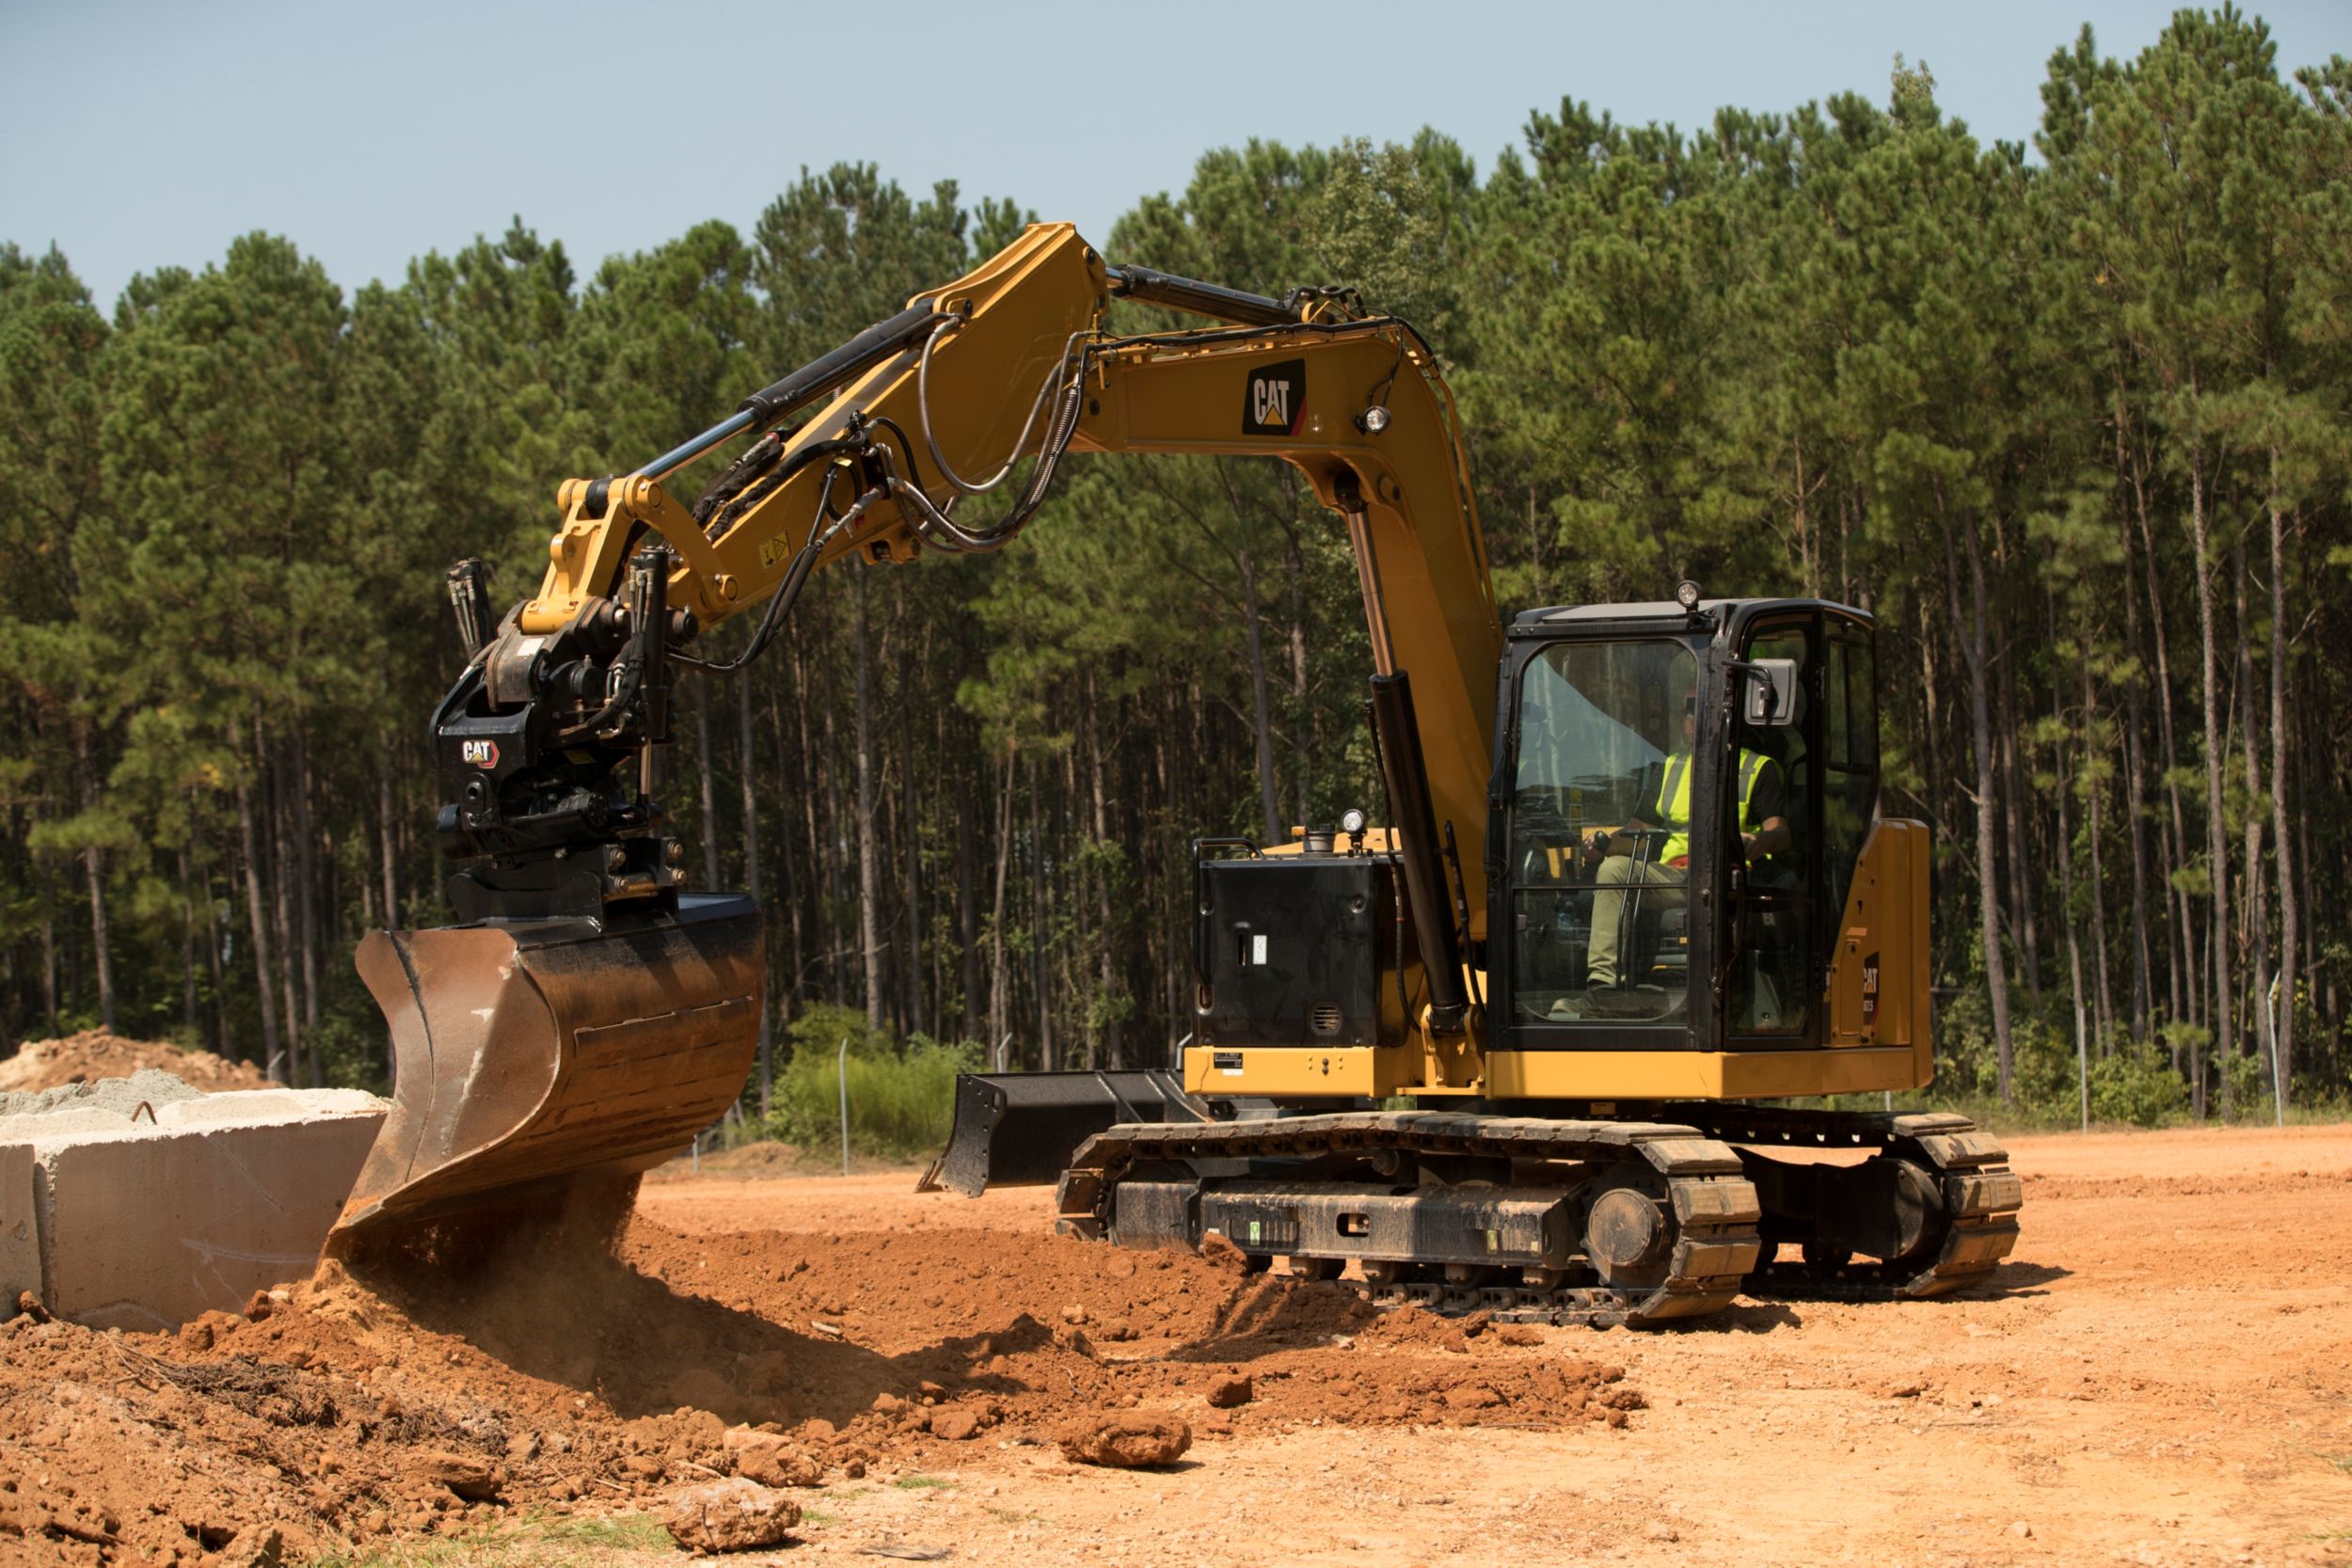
[[1601, 851], [1604, 852]]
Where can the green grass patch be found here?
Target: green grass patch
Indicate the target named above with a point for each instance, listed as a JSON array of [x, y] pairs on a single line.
[[902, 1093], [920, 1483], [525, 1542]]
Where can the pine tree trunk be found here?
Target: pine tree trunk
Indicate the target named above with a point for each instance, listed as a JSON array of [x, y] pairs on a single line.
[[1269, 805], [795, 954], [2216, 820], [912, 846], [94, 867], [999, 1002], [2066, 915], [272, 1062], [2254, 919], [967, 907], [2283, 1064], [187, 946], [2183, 961], [2023, 921], [2136, 772], [708, 785], [868, 852], [1302, 708], [1107, 1047], [281, 894], [304, 911], [748, 764], [384, 821], [2094, 791], [1045, 1057], [1981, 735], [222, 1044]]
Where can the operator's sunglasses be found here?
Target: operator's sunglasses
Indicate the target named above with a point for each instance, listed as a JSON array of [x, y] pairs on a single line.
[[1690, 706]]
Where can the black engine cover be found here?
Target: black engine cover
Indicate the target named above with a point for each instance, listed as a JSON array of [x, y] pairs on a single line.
[[1298, 950]]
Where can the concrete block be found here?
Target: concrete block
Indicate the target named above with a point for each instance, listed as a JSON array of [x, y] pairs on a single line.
[[146, 1227], [51, 1124], [254, 1107], [20, 1226]]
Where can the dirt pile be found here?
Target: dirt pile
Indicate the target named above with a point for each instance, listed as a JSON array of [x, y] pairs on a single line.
[[94, 1054], [430, 1395]]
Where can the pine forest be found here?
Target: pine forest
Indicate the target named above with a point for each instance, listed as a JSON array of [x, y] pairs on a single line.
[[2073, 420]]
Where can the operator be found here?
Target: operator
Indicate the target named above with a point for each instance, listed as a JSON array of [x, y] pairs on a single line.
[[1764, 832]]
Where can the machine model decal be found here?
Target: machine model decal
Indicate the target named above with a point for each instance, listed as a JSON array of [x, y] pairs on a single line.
[[1870, 991], [1276, 400]]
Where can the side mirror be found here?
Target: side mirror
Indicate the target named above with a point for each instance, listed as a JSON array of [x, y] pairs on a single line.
[[1768, 692]]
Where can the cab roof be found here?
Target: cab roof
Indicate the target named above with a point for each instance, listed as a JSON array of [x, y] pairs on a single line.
[[1711, 612]]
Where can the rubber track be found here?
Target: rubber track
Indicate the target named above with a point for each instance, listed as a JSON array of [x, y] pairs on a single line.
[[1982, 1195], [1713, 1205]]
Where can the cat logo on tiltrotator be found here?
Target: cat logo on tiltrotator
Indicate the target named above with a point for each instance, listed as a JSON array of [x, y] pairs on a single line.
[[1275, 398]]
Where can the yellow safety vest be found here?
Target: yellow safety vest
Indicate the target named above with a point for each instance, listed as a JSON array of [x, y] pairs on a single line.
[[1673, 810]]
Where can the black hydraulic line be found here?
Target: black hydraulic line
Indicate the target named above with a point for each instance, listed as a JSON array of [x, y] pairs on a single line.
[[862, 353], [1202, 299], [1414, 831]]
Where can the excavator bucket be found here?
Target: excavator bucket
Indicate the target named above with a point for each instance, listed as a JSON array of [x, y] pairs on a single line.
[[1020, 1129], [531, 1055]]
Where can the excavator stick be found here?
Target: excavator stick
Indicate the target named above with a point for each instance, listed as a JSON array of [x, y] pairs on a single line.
[[1020, 1129], [532, 1057]]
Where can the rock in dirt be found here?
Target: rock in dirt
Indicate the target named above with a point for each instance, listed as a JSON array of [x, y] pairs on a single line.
[[957, 1425], [1230, 1393], [1217, 1249], [470, 1479], [731, 1516], [772, 1460], [257, 1546], [1126, 1439]]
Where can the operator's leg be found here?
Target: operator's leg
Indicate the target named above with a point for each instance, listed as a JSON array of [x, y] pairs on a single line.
[[1612, 910], [1600, 957]]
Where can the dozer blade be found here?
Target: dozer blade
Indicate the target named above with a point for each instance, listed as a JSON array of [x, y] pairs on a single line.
[[531, 1055], [1019, 1129]]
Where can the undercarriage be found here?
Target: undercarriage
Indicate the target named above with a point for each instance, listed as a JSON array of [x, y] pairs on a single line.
[[1529, 1219]]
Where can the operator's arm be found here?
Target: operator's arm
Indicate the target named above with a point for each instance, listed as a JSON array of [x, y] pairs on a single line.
[[1768, 831], [1622, 839]]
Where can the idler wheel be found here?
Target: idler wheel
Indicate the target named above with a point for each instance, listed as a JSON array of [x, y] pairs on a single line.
[[1626, 1238], [1316, 1268]]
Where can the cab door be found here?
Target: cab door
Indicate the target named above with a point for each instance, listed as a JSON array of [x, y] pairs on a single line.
[[1772, 789]]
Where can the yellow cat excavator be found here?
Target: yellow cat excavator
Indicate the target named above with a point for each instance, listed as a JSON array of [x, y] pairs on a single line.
[[1632, 879]]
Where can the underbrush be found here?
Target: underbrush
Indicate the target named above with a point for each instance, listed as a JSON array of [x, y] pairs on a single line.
[[901, 1093]]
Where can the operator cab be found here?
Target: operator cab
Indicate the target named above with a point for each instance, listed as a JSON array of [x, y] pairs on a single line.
[[1682, 794]]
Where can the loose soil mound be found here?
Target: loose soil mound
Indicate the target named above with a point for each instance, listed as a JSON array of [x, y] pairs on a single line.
[[395, 1396], [94, 1054]]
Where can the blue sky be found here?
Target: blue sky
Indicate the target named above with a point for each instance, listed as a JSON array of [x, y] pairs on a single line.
[[141, 134]]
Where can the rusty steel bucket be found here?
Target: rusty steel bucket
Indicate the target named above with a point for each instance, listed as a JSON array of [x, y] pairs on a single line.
[[528, 1054]]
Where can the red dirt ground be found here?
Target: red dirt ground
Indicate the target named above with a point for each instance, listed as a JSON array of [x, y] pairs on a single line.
[[2164, 1376]]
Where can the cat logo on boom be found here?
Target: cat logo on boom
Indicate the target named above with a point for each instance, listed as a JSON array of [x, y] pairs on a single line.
[[1276, 400], [478, 754]]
